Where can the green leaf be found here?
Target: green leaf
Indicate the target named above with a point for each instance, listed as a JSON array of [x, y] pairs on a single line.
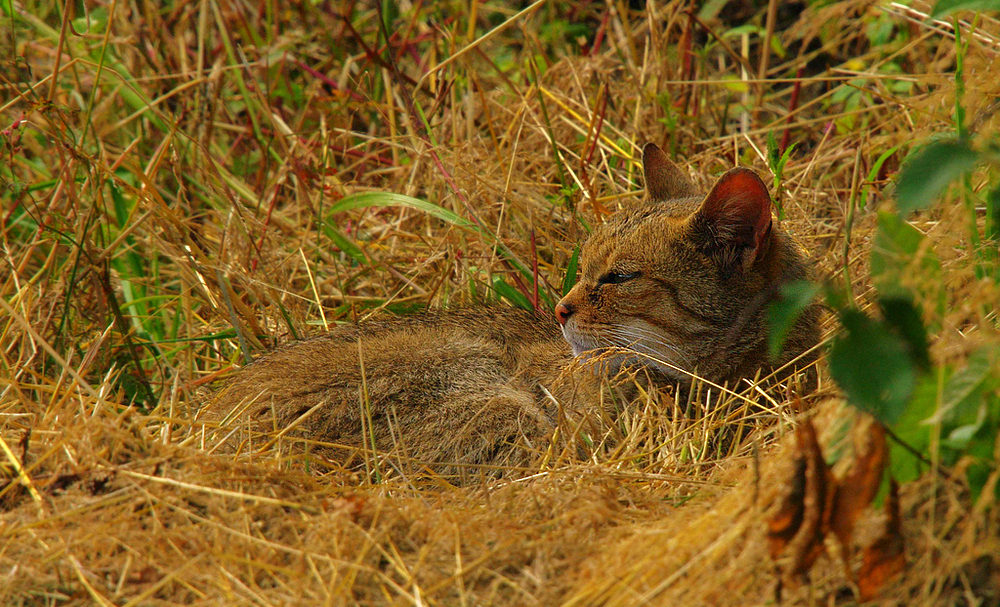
[[776, 159], [928, 172], [959, 437], [739, 30], [980, 449], [876, 168], [896, 242], [130, 265], [390, 12], [836, 298], [390, 199], [873, 174], [895, 252], [978, 474], [963, 393], [778, 48], [900, 314], [711, 9], [912, 429], [381, 199], [871, 364], [947, 7], [510, 293], [968, 417], [993, 214], [773, 154], [122, 210], [784, 157], [570, 279], [784, 311]]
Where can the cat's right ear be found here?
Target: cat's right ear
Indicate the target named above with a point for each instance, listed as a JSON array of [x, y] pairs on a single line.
[[664, 180], [734, 221]]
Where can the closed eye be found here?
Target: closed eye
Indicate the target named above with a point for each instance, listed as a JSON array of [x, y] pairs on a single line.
[[615, 278]]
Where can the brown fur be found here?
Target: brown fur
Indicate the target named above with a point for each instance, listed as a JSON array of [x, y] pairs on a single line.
[[485, 387], [460, 387]]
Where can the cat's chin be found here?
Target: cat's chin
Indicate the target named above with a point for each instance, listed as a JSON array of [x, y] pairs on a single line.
[[610, 363], [580, 344]]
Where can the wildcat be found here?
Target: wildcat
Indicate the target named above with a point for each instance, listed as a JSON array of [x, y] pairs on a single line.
[[683, 281], [677, 285]]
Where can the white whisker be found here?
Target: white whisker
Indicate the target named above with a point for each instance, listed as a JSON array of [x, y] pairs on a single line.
[[634, 337]]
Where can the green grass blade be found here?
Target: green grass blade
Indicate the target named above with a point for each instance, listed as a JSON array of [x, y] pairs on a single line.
[[510, 293], [571, 269], [343, 243], [390, 199]]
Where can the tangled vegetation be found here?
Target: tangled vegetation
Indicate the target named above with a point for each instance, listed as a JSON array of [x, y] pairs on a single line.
[[186, 185]]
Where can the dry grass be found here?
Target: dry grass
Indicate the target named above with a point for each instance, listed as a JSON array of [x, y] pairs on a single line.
[[167, 180]]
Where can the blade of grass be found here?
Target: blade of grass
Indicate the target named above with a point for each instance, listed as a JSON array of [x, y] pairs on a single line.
[[390, 199], [569, 280], [241, 82], [123, 328]]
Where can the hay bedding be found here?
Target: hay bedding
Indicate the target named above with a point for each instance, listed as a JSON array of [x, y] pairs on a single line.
[[103, 503]]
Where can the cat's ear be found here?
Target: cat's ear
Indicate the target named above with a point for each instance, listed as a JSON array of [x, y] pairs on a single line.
[[734, 221], [664, 180]]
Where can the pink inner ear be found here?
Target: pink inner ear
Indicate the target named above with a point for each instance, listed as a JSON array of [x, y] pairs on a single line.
[[739, 200]]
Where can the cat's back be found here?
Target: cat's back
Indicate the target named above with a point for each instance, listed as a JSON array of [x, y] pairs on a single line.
[[458, 386]]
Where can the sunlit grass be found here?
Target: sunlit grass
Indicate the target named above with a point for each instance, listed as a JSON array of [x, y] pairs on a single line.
[[191, 184]]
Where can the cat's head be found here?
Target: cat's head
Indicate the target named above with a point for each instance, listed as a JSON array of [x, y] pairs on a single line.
[[680, 281]]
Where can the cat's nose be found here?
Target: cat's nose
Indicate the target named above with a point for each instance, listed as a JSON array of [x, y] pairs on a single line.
[[563, 312]]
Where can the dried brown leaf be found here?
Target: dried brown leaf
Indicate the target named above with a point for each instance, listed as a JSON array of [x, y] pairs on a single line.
[[802, 521], [885, 558], [858, 487], [818, 503], [820, 489], [785, 523]]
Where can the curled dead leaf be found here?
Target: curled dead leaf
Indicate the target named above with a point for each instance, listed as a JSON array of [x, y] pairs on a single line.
[[820, 488], [817, 503], [885, 558], [785, 523], [858, 488]]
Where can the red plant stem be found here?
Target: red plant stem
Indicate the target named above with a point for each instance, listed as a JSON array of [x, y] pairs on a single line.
[[793, 103], [599, 38], [523, 288], [688, 55], [374, 56], [417, 59], [327, 81], [383, 160]]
